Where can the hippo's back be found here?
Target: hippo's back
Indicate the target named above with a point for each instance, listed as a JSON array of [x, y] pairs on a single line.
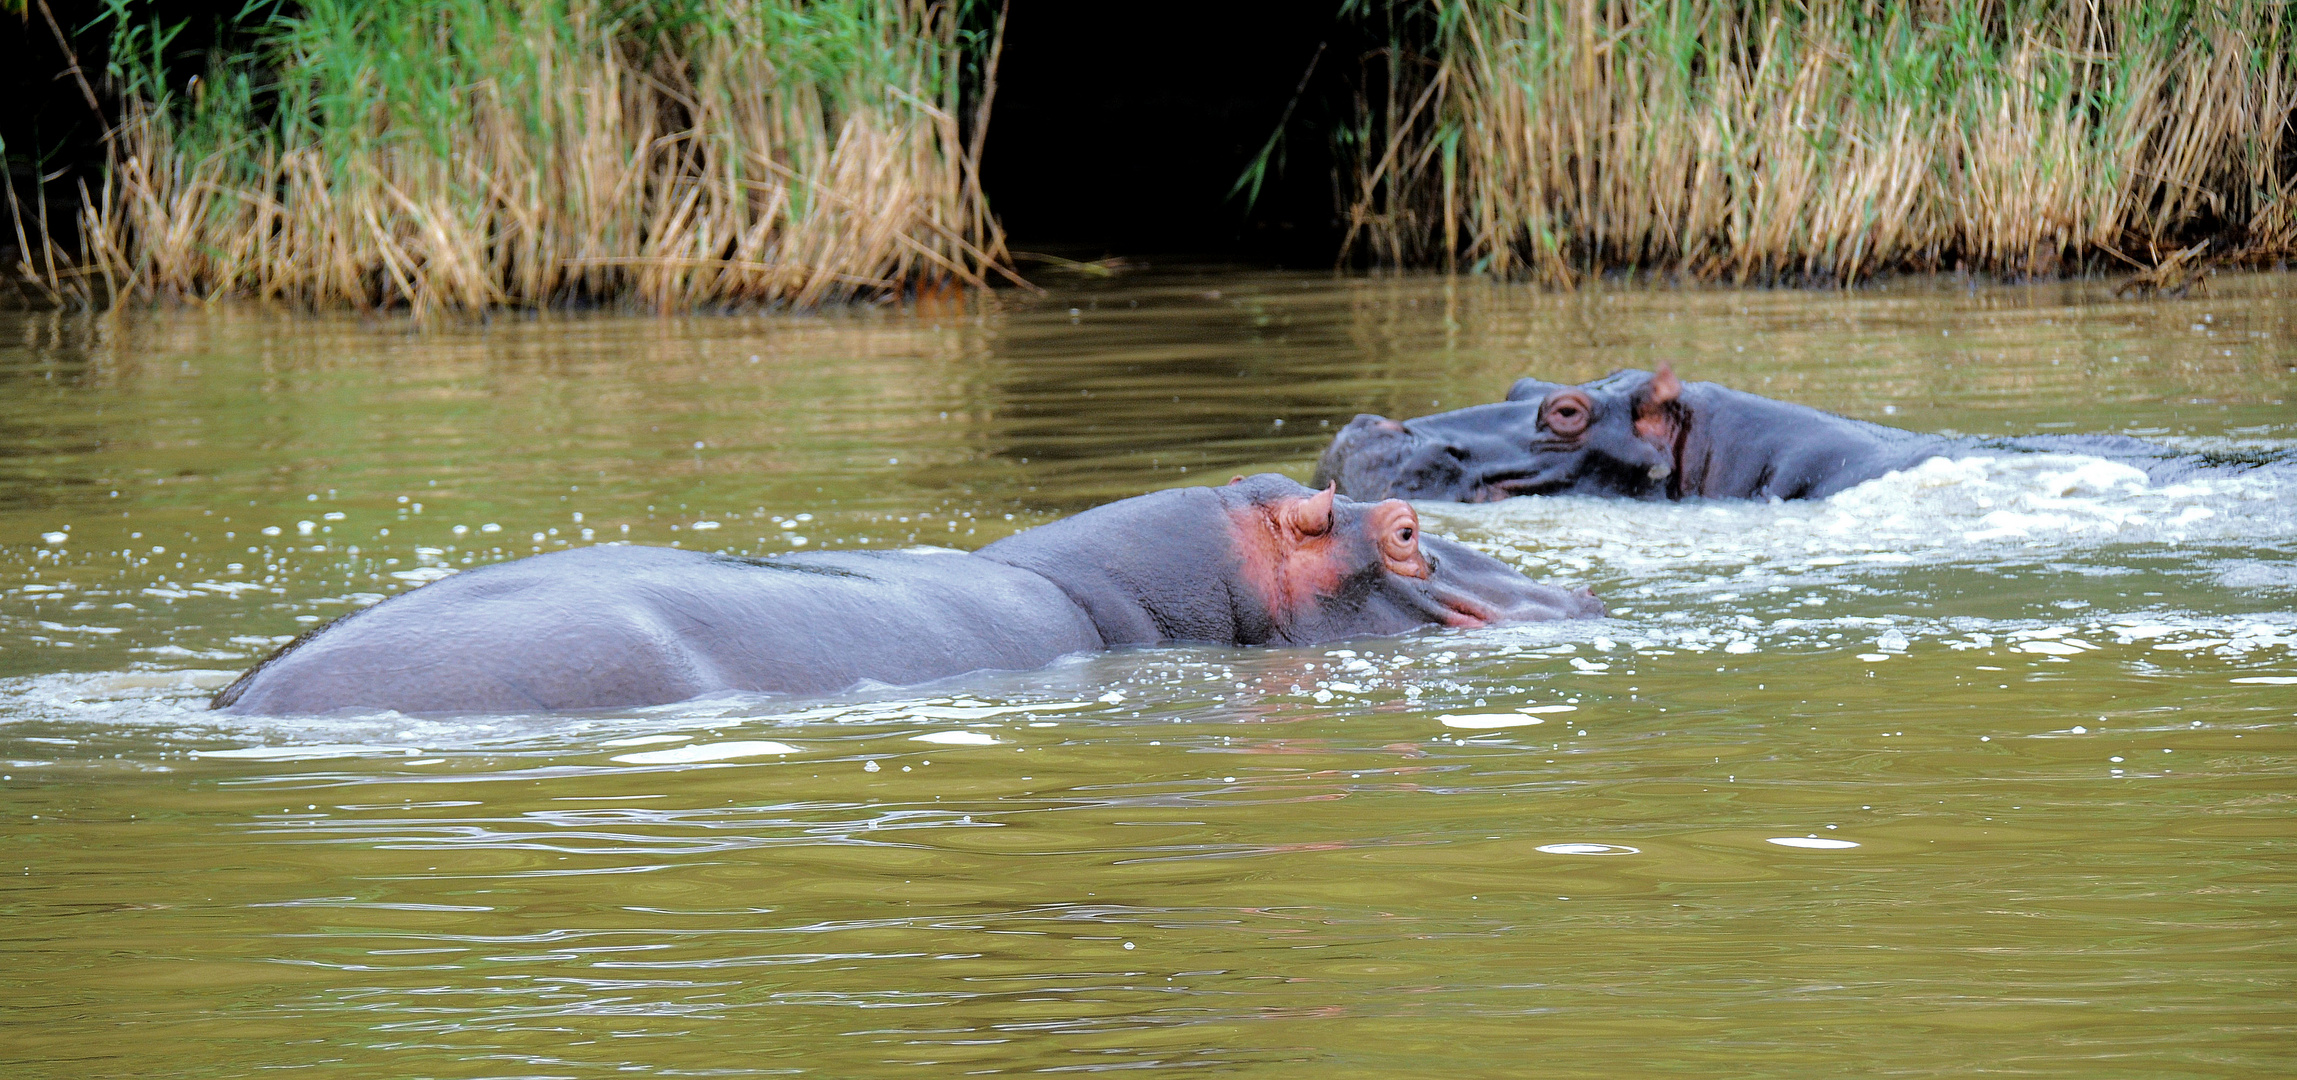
[[617, 626]]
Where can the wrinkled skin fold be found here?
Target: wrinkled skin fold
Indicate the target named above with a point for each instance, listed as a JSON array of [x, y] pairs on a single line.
[[1262, 561], [1649, 435]]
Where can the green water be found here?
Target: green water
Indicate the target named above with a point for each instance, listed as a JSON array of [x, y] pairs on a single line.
[[2021, 698]]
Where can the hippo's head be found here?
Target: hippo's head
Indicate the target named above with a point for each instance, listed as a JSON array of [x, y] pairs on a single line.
[[1266, 560], [1328, 567], [1615, 436]]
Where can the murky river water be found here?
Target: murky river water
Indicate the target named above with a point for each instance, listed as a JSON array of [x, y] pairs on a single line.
[[1987, 768]]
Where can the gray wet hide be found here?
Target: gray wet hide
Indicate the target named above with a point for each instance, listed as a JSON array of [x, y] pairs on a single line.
[[1259, 561], [604, 627], [1641, 434]]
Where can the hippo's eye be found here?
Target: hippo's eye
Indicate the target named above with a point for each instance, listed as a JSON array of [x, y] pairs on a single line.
[[1404, 534], [1566, 414]]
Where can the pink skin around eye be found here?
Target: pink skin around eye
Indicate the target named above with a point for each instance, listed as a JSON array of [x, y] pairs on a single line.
[[1397, 530], [1567, 413]]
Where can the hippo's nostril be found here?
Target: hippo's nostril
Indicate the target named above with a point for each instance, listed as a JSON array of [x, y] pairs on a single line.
[[1459, 453]]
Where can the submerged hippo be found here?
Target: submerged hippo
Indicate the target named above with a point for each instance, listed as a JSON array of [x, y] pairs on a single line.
[[1648, 434], [1262, 561]]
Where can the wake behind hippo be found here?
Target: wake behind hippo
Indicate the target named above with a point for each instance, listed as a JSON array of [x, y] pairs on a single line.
[[1642, 434], [1262, 561]]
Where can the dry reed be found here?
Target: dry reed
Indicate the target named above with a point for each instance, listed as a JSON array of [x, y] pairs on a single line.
[[473, 154], [1776, 140]]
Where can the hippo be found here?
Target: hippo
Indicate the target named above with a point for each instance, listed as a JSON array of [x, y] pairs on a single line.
[[1644, 434], [1261, 561]]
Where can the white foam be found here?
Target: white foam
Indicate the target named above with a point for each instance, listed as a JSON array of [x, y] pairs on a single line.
[[1818, 843], [1589, 849], [956, 738], [1939, 511], [1693, 576], [724, 751], [1488, 721]]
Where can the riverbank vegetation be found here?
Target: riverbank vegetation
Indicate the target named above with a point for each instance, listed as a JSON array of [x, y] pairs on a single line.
[[466, 155], [472, 154], [1784, 141]]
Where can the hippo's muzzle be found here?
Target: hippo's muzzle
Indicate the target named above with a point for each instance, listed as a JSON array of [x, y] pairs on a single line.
[[1487, 453], [1378, 458], [1475, 589]]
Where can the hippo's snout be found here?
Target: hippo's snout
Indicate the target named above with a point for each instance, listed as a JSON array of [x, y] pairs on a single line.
[[1586, 605], [1480, 590], [1549, 602], [1374, 457]]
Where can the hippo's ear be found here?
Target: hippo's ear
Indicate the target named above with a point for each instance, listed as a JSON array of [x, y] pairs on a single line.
[[1654, 419], [1311, 516], [1664, 386], [1237, 479]]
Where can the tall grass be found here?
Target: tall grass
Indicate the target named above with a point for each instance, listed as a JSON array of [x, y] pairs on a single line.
[[1789, 140], [445, 155]]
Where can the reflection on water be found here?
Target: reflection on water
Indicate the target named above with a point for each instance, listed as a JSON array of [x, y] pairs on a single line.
[[1979, 767]]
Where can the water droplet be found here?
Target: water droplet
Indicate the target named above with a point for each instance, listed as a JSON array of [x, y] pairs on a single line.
[[1588, 849]]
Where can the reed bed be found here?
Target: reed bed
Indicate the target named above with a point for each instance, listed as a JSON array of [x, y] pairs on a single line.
[[1790, 141], [474, 154]]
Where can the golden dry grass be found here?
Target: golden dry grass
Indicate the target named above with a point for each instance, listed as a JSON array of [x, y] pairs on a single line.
[[1769, 140], [478, 154]]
